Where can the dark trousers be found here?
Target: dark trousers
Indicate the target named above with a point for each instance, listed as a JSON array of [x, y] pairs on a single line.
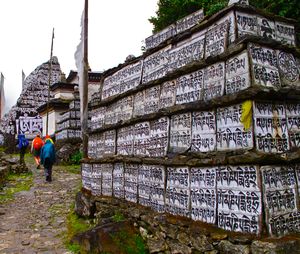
[[48, 170], [22, 155]]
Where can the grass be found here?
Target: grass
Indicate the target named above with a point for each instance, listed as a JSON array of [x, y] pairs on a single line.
[[75, 225], [129, 244], [74, 169], [16, 183]]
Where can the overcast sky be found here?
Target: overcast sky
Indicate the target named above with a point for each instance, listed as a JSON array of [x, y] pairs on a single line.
[[116, 30]]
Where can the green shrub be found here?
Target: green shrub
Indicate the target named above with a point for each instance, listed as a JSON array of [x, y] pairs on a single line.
[[76, 157]]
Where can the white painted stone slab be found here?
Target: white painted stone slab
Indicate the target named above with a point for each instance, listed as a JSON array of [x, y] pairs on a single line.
[[156, 65], [159, 137], [203, 131], [154, 40], [131, 182], [139, 104], [237, 73], [110, 142], [107, 179], [189, 87], [216, 39], [246, 24], [180, 132], [118, 180], [288, 69], [141, 138], [177, 201], [125, 140], [189, 21], [266, 28], [214, 81], [151, 102], [203, 178], [178, 177], [285, 33], [243, 177], [167, 94], [270, 127], [239, 222], [264, 66], [187, 51], [231, 134]]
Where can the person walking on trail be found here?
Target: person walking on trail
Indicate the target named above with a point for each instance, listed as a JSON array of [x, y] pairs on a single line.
[[36, 146], [48, 137], [22, 145], [48, 157]]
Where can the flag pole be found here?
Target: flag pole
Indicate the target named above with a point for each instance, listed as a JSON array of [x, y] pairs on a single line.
[[84, 122], [49, 81]]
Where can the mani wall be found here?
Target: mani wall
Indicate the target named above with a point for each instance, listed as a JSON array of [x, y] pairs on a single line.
[[205, 124], [69, 126], [23, 117]]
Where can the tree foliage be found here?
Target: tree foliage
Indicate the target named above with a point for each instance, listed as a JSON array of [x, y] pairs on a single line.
[[171, 10]]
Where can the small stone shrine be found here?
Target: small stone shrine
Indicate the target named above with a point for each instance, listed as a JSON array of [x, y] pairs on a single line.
[[205, 124], [23, 117]]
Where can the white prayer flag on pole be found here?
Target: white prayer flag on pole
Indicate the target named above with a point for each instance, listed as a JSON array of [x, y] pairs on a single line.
[[81, 61]]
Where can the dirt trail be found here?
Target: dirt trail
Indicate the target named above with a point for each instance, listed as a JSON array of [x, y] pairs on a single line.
[[35, 220]]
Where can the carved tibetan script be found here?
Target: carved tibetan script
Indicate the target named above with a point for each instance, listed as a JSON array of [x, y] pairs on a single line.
[[203, 131], [203, 194], [237, 73], [180, 132], [270, 126], [231, 134]]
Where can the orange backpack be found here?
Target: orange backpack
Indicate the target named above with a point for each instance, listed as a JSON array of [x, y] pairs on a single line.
[[37, 143]]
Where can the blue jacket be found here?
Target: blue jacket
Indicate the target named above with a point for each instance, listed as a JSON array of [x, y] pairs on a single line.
[[48, 152], [22, 141]]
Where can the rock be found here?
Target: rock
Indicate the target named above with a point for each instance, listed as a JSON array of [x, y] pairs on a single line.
[[108, 238], [218, 236], [65, 152], [25, 243], [280, 246], [200, 243], [227, 247], [156, 245], [143, 232], [83, 205], [177, 248], [183, 238]]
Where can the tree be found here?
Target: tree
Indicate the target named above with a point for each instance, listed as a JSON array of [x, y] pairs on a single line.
[[171, 10]]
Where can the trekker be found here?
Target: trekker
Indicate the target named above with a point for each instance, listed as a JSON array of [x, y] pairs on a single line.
[[48, 137], [22, 145], [48, 158], [36, 146]]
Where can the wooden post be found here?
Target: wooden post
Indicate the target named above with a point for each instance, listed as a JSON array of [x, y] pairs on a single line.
[[49, 81], [84, 122]]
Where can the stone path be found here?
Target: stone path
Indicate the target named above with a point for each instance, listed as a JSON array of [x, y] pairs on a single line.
[[35, 221]]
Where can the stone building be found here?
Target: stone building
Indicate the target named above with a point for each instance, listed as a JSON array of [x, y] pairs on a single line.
[[205, 124]]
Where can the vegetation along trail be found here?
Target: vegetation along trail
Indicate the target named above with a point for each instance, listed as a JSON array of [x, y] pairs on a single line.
[[35, 220]]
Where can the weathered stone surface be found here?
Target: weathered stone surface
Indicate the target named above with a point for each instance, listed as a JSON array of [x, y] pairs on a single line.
[[83, 205], [227, 247], [274, 247], [156, 245], [200, 243], [65, 152], [109, 238], [178, 248], [3, 173]]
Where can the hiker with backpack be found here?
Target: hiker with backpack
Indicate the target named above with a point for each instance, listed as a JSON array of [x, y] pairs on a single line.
[[22, 145], [36, 146], [48, 157]]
